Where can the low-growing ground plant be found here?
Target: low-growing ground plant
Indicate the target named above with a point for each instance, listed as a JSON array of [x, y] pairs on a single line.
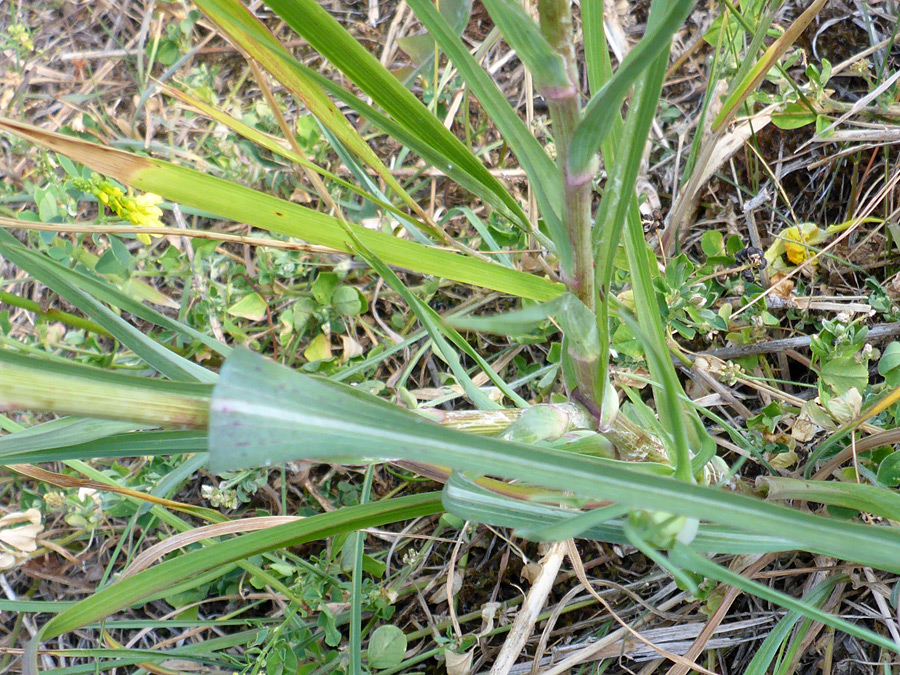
[[558, 323]]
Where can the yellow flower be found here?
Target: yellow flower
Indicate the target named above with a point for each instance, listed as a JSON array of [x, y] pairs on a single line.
[[794, 245], [143, 211]]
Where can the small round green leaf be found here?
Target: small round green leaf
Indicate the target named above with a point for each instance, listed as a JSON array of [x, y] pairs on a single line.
[[387, 647], [890, 360], [889, 470], [346, 301]]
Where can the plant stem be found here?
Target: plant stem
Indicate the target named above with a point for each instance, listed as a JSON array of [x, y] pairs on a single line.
[[26, 387], [53, 314], [565, 110]]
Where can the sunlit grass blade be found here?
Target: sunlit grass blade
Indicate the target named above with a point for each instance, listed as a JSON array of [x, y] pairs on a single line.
[[542, 173], [327, 37], [258, 403], [604, 107], [242, 204], [269, 143], [252, 36]]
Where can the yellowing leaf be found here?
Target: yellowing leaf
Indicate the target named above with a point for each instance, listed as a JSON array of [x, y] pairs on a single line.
[[319, 348], [784, 460], [251, 306]]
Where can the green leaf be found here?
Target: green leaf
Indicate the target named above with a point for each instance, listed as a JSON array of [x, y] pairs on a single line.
[[387, 647], [890, 359], [241, 204], [347, 301], [889, 470], [319, 348], [859, 496], [251, 306], [712, 243], [264, 413], [843, 373], [323, 287], [793, 116]]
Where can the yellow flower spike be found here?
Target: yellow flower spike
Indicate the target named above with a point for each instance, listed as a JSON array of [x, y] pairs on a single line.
[[143, 211]]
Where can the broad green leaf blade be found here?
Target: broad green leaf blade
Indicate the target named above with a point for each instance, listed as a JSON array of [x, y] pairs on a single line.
[[327, 37], [542, 172], [470, 501], [263, 413], [604, 107], [684, 556], [131, 590], [251, 35], [872, 499], [524, 35], [242, 204], [65, 283]]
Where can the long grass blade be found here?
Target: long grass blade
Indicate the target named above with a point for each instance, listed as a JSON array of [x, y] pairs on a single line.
[[242, 204], [327, 37], [542, 173], [604, 106], [259, 404]]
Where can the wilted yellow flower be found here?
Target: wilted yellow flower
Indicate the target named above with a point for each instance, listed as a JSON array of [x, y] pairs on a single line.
[[794, 245], [18, 536]]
